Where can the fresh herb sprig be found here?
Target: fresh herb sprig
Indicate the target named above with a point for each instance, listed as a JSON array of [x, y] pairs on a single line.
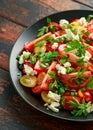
[[42, 31], [48, 57], [80, 108], [76, 45]]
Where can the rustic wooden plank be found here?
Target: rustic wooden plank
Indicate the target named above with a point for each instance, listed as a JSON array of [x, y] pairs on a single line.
[[63, 5], [9, 31], [87, 3], [24, 12]]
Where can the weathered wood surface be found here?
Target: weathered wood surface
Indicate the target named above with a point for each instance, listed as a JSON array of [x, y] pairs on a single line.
[[15, 16]]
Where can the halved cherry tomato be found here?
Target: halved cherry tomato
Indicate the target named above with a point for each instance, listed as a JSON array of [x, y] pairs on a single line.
[[87, 96], [67, 99]]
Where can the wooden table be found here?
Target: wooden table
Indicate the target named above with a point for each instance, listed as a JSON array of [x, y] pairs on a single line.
[[15, 17]]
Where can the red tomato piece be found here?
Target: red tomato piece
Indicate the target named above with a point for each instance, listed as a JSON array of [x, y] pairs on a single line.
[[46, 80], [68, 79], [87, 96], [74, 20], [38, 68]]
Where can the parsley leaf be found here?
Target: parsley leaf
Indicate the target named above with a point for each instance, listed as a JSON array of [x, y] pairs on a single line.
[[89, 18], [90, 84], [42, 31], [75, 45], [41, 43], [48, 20], [48, 57], [82, 108], [63, 60]]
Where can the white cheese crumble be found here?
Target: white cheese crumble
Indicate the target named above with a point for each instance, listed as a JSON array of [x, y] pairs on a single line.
[[53, 106], [63, 22], [61, 69], [91, 35], [87, 56], [67, 64], [29, 70], [53, 96], [21, 60], [90, 108], [82, 21], [55, 45]]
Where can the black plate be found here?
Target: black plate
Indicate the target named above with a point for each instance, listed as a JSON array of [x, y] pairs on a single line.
[[28, 35]]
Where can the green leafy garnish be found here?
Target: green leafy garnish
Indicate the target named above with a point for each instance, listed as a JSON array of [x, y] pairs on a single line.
[[42, 31], [41, 43], [81, 62], [70, 70], [52, 28], [52, 74], [48, 57], [76, 45], [63, 60], [32, 59], [49, 39], [89, 18], [44, 65], [57, 86], [48, 20], [80, 109], [90, 84]]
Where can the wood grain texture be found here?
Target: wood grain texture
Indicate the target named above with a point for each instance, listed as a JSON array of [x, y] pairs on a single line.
[[9, 31], [24, 12]]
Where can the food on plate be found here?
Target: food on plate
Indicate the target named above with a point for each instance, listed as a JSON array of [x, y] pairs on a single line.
[[58, 65]]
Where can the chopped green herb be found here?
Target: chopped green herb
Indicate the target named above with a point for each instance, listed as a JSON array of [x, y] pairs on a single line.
[[44, 65], [17, 58], [41, 43], [48, 57], [52, 74], [90, 84], [48, 20], [76, 45], [52, 28], [70, 70], [42, 31], [63, 60], [32, 59], [82, 108], [81, 62], [89, 18], [49, 39]]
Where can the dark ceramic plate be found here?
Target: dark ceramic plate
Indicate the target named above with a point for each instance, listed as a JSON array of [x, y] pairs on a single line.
[[28, 35]]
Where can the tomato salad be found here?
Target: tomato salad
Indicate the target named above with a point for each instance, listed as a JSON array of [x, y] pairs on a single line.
[[58, 65]]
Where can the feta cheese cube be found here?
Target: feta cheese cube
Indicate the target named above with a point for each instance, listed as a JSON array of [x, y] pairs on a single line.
[[87, 56], [53, 106], [55, 45], [53, 96], [29, 70], [63, 22], [67, 64]]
